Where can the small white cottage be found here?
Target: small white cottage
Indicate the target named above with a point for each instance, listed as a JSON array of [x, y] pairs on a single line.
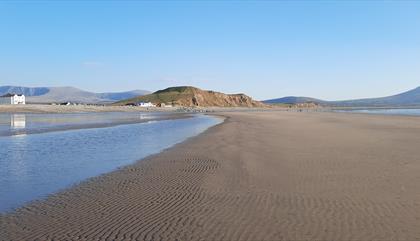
[[146, 104], [12, 99]]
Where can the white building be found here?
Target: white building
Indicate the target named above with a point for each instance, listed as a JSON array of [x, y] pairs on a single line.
[[146, 104], [12, 99]]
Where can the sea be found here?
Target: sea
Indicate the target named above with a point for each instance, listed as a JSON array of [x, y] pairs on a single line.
[[41, 154], [383, 111]]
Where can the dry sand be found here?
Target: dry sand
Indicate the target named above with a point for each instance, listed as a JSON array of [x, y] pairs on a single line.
[[258, 176]]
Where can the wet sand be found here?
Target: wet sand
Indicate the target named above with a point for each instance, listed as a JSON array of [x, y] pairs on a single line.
[[36, 108], [258, 176]]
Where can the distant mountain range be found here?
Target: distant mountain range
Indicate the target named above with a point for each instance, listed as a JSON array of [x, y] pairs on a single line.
[[192, 96], [409, 98], [294, 100], [68, 94]]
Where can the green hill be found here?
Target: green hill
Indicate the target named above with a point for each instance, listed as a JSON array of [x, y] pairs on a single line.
[[191, 96]]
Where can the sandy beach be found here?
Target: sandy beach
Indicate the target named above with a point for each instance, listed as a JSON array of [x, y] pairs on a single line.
[[257, 176], [36, 108], [62, 109]]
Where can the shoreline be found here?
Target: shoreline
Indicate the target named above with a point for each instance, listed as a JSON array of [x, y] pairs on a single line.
[[93, 178], [61, 109], [44, 197], [76, 126], [58, 109], [346, 171]]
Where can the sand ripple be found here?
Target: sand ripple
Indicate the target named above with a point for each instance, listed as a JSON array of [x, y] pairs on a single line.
[[259, 176]]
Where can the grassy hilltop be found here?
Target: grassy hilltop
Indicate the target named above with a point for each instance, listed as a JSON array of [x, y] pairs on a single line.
[[191, 96]]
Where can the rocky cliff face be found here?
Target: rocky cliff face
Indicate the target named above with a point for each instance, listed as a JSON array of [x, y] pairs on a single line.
[[210, 98]]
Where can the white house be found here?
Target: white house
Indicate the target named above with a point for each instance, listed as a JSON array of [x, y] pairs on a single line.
[[146, 104], [12, 99]]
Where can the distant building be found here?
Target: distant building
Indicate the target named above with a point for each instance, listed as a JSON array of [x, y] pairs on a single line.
[[12, 99], [146, 104]]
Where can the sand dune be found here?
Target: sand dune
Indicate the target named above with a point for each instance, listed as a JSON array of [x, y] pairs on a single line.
[[258, 176]]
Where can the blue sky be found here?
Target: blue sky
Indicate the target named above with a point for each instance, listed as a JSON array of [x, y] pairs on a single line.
[[267, 49]]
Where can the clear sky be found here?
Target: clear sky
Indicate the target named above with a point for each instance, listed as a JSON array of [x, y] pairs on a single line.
[[267, 49]]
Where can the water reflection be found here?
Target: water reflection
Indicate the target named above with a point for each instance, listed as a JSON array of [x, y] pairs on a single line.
[[383, 111], [18, 121], [18, 124], [35, 165], [17, 167]]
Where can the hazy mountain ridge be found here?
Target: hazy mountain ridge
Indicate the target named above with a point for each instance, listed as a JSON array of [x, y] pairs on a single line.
[[408, 98], [293, 100], [68, 94], [27, 91], [192, 96], [411, 97]]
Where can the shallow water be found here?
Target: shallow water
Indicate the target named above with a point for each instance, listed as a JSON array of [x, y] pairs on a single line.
[[35, 165], [17, 124], [411, 112]]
